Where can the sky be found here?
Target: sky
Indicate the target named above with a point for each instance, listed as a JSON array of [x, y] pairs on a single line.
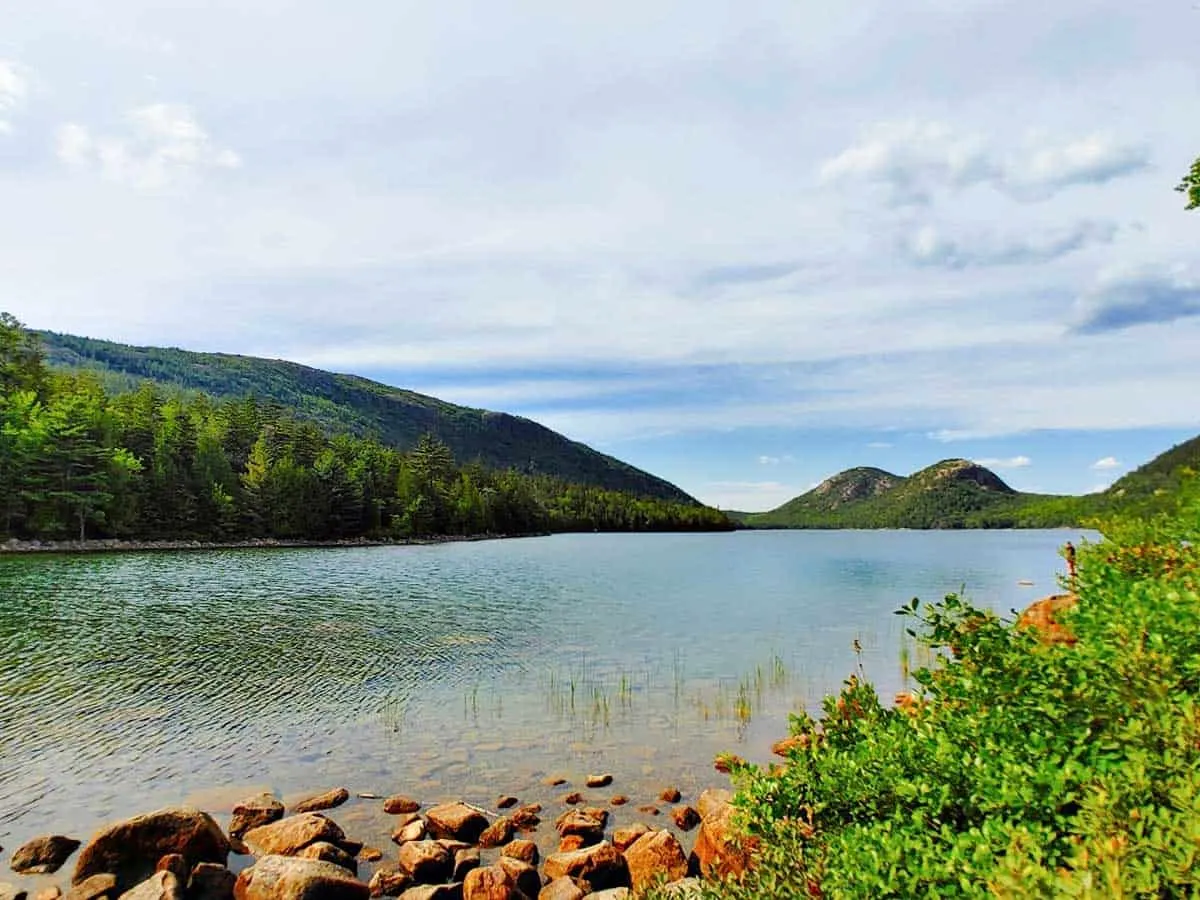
[[741, 245]]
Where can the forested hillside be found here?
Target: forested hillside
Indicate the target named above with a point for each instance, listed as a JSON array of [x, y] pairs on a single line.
[[347, 404], [79, 462]]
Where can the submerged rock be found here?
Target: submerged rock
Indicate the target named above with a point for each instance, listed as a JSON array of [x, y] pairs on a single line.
[[131, 849], [43, 855], [327, 800], [398, 803]]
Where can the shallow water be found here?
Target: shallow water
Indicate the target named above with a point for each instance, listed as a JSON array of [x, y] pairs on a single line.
[[129, 682]]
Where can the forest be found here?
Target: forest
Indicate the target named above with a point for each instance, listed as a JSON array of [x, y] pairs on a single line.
[[79, 462]]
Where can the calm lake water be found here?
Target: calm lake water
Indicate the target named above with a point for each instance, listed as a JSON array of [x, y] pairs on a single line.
[[129, 682]]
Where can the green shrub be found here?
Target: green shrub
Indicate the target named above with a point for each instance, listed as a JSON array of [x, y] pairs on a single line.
[[1023, 768]]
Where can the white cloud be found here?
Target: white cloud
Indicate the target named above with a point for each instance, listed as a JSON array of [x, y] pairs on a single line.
[[928, 246], [1108, 462], [880, 445], [13, 90], [918, 160], [164, 145], [1123, 299], [1008, 462], [766, 460]]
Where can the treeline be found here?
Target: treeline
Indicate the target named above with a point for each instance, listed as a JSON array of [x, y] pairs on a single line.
[[77, 462]]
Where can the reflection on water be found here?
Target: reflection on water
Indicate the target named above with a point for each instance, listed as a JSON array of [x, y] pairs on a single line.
[[472, 669]]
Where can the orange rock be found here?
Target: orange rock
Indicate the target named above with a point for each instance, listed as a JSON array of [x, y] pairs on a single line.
[[719, 850], [1042, 616]]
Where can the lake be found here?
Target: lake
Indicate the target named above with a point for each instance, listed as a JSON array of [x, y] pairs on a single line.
[[129, 682]]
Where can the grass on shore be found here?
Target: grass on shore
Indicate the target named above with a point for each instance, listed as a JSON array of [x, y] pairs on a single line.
[[1024, 768]]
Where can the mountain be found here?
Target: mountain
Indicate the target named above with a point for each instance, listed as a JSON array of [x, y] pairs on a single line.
[[359, 406], [957, 493], [953, 493]]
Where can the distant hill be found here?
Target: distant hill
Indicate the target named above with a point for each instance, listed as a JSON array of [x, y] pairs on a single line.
[[957, 493], [350, 404], [953, 493]]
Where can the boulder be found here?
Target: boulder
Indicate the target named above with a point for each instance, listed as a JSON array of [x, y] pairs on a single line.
[[506, 801], [497, 834], [390, 881], [562, 889], [526, 818], [464, 861], [428, 862], [719, 851], [370, 854], [162, 885], [254, 812], [53, 892], [327, 800], [94, 887], [330, 853], [525, 851], [131, 849], [670, 795], [623, 838], [599, 781], [526, 876], [586, 823], [685, 818], [572, 798], [11, 892], [456, 820], [490, 883], [570, 842], [618, 800], [291, 878], [209, 881], [289, 836], [176, 865], [433, 892], [654, 855], [1044, 617], [409, 827], [398, 803], [43, 855], [611, 894], [602, 866]]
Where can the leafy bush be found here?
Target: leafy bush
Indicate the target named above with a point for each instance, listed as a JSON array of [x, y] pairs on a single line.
[[1020, 767]]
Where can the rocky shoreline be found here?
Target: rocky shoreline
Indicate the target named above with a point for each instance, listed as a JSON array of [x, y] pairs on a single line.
[[115, 545], [445, 851]]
